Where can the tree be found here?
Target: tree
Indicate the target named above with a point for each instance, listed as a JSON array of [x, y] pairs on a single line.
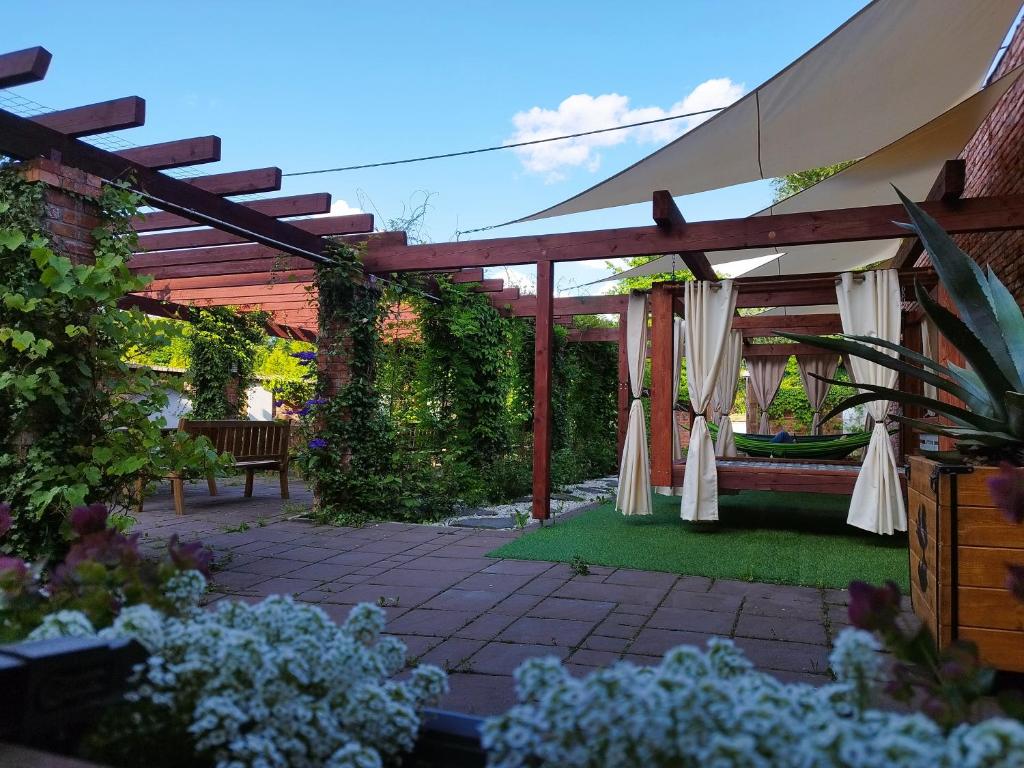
[[801, 180], [644, 283]]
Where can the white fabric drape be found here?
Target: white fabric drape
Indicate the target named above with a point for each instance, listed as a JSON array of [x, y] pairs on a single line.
[[766, 373], [816, 389], [869, 305], [678, 329], [633, 496], [930, 349], [709, 309], [725, 393]]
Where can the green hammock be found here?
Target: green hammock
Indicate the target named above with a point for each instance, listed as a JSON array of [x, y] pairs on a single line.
[[814, 447]]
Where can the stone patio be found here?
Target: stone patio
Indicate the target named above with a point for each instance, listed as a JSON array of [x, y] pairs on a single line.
[[479, 617]]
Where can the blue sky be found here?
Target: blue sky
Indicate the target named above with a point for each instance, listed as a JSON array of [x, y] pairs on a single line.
[[305, 85]]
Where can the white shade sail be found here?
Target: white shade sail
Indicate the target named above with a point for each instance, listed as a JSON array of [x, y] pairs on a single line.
[[910, 163], [893, 66], [869, 304]]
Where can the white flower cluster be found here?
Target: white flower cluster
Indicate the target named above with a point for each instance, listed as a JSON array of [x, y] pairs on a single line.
[[711, 708], [276, 684]]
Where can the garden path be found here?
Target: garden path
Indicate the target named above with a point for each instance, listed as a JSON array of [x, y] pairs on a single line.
[[479, 617]]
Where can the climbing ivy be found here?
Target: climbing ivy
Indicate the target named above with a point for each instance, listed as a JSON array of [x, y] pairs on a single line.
[[74, 412], [223, 346]]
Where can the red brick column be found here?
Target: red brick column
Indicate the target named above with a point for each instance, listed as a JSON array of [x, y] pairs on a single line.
[[71, 212]]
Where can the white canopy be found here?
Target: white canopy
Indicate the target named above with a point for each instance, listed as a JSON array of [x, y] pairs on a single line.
[[893, 66], [911, 163]]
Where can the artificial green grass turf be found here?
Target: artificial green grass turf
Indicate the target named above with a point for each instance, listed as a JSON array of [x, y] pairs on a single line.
[[774, 537]]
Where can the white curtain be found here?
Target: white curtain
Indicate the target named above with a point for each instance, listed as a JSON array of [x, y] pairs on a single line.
[[709, 309], [634, 493], [869, 305], [766, 373], [678, 329], [816, 389], [725, 393]]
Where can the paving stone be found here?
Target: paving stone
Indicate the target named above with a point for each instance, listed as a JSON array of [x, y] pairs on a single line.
[[477, 694], [516, 605], [233, 580], [776, 628], [618, 593], [417, 645], [282, 585], [464, 565], [496, 523], [654, 642], [386, 547], [451, 653], [594, 658], [633, 578], [836, 596], [268, 566], [355, 558], [680, 599], [497, 582], [568, 632], [595, 573], [642, 660], [612, 628], [339, 612], [504, 658], [478, 600], [323, 571], [771, 591], [795, 609], [408, 597], [426, 621], [705, 622], [469, 548], [485, 627], [568, 608], [631, 619], [601, 643], [407, 576], [519, 567], [779, 655]]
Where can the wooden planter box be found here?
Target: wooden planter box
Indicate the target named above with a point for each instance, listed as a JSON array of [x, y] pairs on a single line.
[[960, 545]]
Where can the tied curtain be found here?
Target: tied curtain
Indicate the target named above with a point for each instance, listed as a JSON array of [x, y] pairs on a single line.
[[870, 305], [709, 309], [725, 393], [766, 373], [633, 496], [678, 329], [816, 389]]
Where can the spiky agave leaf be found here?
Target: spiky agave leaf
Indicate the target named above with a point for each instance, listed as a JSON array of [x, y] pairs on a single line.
[[967, 287], [964, 435], [1010, 318]]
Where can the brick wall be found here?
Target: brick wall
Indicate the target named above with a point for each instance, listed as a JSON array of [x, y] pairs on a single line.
[[70, 213]]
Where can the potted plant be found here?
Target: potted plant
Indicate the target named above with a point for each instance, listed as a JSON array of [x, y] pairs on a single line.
[[963, 536]]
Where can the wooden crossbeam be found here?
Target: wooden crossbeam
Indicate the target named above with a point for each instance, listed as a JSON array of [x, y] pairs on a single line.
[[176, 311], [195, 238], [467, 276], [291, 205], [494, 285], [569, 305], [875, 222], [668, 218], [25, 66], [239, 182], [175, 154], [764, 325], [239, 281], [23, 138], [948, 187], [500, 298], [91, 119], [780, 350]]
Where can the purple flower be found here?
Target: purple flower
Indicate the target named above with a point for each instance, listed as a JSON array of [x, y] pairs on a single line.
[[278, 403], [90, 519], [317, 401], [873, 608], [5, 519], [14, 566], [317, 443], [1007, 489], [191, 556], [305, 358]]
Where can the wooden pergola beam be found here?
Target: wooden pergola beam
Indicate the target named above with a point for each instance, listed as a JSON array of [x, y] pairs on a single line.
[[175, 311], [780, 350], [23, 138], [198, 238], [542, 421], [980, 214], [239, 182], [569, 305], [278, 207], [175, 154], [91, 119], [669, 219], [948, 187], [284, 277], [467, 276], [25, 66], [765, 325]]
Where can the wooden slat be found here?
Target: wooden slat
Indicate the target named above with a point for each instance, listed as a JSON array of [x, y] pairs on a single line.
[[89, 120], [758, 325], [246, 280], [999, 648], [542, 423], [25, 66], [198, 238], [467, 276], [991, 608], [662, 343], [571, 305], [843, 225], [175, 154], [780, 350], [239, 182], [292, 205], [501, 298], [986, 566], [494, 285]]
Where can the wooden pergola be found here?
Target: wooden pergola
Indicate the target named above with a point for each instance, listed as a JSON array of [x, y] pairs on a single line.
[[203, 248]]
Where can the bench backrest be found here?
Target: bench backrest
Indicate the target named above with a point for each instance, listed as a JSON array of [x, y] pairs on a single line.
[[244, 440]]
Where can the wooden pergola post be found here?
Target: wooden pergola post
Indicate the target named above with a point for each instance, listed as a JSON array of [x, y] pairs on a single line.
[[622, 391], [543, 342], [662, 343]]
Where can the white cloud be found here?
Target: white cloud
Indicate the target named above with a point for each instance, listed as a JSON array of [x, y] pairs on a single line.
[[601, 265], [342, 208], [583, 112]]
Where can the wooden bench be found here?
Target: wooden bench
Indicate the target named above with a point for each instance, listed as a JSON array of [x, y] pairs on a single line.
[[253, 445]]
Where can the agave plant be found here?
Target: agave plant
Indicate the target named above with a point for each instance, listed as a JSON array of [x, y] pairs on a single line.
[[989, 333]]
